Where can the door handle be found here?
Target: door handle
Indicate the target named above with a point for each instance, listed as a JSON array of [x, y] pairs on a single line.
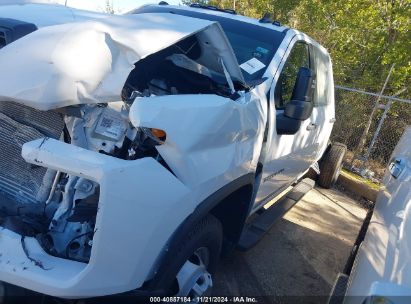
[[396, 167], [311, 126]]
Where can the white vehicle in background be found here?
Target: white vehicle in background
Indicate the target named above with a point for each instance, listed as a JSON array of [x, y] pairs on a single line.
[[135, 148], [381, 270]]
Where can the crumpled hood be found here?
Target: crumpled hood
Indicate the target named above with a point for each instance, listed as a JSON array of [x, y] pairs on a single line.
[[89, 62]]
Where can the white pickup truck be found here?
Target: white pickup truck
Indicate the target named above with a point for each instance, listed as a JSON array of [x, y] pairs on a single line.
[[135, 148]]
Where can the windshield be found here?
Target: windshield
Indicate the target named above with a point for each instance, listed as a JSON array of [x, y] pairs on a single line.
[[253, 45]]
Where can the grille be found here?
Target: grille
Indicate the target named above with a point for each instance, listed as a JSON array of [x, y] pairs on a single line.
[[19, 181]]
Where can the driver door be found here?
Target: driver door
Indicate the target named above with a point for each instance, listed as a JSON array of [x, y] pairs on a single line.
[[286, 157]]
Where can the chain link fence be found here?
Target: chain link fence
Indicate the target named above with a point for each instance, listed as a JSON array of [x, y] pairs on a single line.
[[368, 152]]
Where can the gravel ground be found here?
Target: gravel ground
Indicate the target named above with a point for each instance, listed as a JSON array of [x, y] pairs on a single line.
[[299, 258]]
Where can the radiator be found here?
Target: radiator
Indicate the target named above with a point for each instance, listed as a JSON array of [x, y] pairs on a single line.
[[20, 182]]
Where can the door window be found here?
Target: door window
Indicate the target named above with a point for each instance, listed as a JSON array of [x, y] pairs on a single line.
[[299, 57]]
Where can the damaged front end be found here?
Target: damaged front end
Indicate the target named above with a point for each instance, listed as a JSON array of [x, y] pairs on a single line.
[[46, 191], [79, 208]]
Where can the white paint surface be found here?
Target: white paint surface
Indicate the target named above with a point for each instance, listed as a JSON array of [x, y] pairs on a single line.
[[383, 264]]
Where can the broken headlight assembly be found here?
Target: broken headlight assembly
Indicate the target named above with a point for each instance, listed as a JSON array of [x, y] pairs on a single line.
[[145, 142]]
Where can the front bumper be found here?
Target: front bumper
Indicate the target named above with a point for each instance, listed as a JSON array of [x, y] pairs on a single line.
[[132, 227]]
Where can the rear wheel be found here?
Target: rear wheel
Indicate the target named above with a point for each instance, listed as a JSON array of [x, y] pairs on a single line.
[[331, 164]]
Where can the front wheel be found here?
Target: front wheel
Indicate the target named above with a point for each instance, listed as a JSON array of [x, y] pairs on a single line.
[[331, 164], [194, 278], [195, 259]]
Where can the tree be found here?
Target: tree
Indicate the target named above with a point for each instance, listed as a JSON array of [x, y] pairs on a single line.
[[364, 38]]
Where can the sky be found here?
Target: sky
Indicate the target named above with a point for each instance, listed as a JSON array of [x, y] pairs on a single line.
[[120, 6]]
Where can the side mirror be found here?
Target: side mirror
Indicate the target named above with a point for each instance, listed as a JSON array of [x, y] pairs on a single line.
[[299, 110], [300, 107]]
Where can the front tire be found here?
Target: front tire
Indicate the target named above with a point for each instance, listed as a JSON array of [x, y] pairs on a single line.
[[331, 164], [195, 260]]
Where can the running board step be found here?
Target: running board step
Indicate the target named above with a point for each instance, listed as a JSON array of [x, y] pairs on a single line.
[[258, 227]]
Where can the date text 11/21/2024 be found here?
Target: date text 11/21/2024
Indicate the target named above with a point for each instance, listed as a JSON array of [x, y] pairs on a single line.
[[203, 300]]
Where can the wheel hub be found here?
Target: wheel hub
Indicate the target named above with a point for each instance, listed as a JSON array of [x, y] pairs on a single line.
[[194, 280]]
